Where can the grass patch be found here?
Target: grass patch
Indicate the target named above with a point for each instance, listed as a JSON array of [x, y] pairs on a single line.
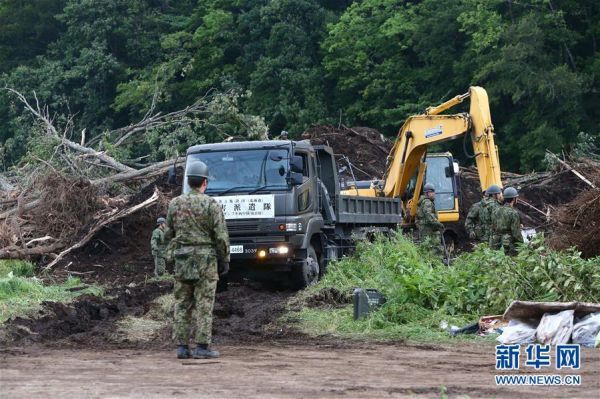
[[161, 278], [17, 267], [421, 291], [21, 293], [139, 329], [151, 325]]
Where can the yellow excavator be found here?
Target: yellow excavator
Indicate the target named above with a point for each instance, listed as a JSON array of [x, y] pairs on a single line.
[[409, 164]]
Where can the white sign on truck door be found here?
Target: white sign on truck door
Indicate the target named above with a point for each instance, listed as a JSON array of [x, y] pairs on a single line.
[[247, 206]]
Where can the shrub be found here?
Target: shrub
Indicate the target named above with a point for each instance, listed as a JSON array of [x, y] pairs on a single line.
[[421, 290]]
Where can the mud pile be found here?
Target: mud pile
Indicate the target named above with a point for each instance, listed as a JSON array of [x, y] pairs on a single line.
[[365, 148], [578, 225], [89, 320], [577, 222], [245, 311], [557, 202], [141, 315]]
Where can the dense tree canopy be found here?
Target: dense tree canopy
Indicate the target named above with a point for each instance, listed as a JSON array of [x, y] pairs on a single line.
[[300, 62]]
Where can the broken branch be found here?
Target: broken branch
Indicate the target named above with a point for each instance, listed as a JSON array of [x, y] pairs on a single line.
[[101, 223]]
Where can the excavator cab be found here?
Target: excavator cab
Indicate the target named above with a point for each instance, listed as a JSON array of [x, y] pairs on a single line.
[[442, 172]]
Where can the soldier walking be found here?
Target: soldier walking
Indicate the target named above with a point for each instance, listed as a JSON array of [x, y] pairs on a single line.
[[479, 219], [199, 243], [428, 225], [158, 246], [506, 224]]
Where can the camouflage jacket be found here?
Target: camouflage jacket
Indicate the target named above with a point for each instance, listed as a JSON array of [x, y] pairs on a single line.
[[473, 220], [195, 226], [157, 242], [427, 221], [506, 228], [479, 218], [485, 217]]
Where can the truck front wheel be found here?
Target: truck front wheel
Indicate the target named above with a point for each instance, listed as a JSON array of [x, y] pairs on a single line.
[[306, 273]]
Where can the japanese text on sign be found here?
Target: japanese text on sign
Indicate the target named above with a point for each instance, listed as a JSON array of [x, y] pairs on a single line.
[[247, 206]]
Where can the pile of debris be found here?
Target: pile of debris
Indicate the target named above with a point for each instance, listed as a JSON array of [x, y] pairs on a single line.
[[361, 151], [56, 214], [564, 202], [50, 207]]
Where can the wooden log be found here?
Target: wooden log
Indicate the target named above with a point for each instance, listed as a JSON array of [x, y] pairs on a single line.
[[149, 171], [14, 252]]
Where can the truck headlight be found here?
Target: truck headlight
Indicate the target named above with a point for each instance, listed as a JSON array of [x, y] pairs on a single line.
[[283, 250], [291, 227]]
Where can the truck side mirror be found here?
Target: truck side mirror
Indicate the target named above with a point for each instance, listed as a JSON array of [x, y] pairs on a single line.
[[295, 178], [172, 175], [296, 164]]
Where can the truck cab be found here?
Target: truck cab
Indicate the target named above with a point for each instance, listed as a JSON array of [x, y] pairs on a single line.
[[283, 208]]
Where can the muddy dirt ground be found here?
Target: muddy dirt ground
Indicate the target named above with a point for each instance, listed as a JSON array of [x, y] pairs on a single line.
[[72, 351], [273, 370]]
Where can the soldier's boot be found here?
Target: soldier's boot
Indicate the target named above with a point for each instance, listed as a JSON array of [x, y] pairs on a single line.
[[202, 351], [183, 352]]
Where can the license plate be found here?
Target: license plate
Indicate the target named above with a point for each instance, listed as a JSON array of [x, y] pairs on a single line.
[[236, 249]]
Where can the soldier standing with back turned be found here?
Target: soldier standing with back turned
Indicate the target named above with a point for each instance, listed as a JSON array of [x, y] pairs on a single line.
[[200, 247], [479, 219], [158, 246], [494, 201], [506, 224], [428, 225]]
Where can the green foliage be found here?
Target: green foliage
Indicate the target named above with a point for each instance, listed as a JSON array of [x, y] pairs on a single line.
[[587, 146], [221, 118], [371, 62], [421, 291], [28, 26], [19, 268], [21, 293]]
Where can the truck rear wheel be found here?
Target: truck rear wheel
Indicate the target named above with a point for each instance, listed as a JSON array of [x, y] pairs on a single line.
[[307, 273]]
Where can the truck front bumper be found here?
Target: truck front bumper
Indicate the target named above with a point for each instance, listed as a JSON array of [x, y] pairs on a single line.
[[268, 256]]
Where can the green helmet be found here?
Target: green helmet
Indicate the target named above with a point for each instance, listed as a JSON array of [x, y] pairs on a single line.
[[428, 187], [198, 169], [510, 192], [160, 220], [493, 189]]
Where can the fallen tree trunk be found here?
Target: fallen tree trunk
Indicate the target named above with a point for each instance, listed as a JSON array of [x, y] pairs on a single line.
[[149, 171], [14, 252]]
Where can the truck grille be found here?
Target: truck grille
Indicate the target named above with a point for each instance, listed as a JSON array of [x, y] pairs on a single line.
[[249, 227]]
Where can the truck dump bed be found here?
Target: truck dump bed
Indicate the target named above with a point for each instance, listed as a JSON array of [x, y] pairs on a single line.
[[368, 210]]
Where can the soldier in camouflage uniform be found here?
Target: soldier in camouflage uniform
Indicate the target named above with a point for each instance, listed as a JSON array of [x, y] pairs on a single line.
[[199, 244], [479, 219], [158, 246], [428, 225], [506, 224], [473, 223], [494, 202]]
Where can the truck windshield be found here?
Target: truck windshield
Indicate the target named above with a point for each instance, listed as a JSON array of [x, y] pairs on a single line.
[[444, 186], [243, 170]]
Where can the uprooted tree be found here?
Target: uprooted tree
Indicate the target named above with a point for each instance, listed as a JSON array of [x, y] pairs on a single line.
[[67, 191]]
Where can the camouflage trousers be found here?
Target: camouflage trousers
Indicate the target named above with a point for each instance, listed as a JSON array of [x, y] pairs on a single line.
[[194, 301], [505, 242], [160, 265]]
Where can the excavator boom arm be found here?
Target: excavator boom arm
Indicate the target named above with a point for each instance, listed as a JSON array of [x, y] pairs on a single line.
[[421, 131]]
